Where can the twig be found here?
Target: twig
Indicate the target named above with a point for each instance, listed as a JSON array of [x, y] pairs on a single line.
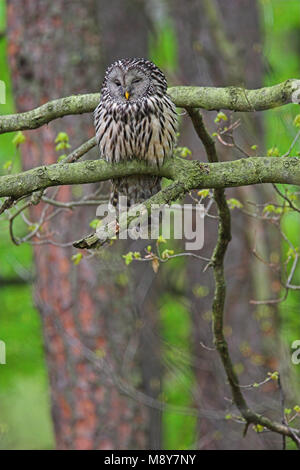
[[290, 203], [292, 144], [80, 151], [217, 262]]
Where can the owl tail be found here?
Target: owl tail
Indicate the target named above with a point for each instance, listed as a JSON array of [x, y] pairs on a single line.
[[136, 189]]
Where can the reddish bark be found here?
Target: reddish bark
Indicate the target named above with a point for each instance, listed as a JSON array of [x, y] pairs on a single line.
[[54, 51]]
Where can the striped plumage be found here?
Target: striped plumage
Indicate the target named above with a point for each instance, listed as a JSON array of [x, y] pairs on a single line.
[[135, 119]]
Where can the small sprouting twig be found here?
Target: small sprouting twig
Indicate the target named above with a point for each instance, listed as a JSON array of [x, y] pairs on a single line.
[[290, 203], [292, 144], [80, 151], [217, 262]]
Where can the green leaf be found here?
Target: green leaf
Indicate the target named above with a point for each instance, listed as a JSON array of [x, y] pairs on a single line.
[[62, 137], [128, 258], [161, 239], [269, 208], [76, 258], [221, 116], [258, 428], [18, 139], [167, 253], [293, 252], [273, 375], [7, 165], [203, 193], [254, 147], [292, 197], [234, 204], [94, 223], [62, 146], [32, 227], [183, 152], [273, 152]]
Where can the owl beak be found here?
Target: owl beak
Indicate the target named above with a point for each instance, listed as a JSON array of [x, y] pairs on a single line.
[[127, 95]]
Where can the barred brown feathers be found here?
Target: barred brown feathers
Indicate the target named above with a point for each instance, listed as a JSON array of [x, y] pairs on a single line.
[[135, 119]]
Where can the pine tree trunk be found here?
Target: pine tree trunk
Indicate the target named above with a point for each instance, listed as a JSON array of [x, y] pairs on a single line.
[[56, 49]]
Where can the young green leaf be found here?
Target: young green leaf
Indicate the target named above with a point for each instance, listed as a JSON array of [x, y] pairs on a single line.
[[76, 258], [221, 116], [18, 139], [234, 204]]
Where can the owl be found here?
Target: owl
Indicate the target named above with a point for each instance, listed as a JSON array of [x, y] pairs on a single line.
[[135, 120]]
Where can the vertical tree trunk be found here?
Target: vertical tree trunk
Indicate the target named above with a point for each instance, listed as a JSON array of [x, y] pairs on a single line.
[[219, 45], [55, 49]]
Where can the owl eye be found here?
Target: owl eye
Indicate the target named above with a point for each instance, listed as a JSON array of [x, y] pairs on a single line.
[[136, 80], [117, 83]]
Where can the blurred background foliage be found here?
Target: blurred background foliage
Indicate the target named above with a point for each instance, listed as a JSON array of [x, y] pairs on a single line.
[[24, 392], [281, 29]]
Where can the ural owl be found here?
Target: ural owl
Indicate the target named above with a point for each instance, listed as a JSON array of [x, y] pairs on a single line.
[[135, 120]]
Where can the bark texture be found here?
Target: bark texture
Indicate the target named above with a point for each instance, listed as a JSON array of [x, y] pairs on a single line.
[[55, 49]]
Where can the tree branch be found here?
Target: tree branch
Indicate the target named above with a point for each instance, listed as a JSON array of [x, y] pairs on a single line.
[[76, 104], [186, 176], [191, 173], [210, 98], [217, 263]]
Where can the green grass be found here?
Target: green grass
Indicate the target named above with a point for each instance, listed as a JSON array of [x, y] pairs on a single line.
[[24, 413]]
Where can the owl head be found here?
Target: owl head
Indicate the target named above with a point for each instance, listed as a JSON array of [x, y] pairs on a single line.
[[132, 80]]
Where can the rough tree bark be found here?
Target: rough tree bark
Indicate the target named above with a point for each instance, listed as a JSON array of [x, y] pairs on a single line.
[[56, 49]]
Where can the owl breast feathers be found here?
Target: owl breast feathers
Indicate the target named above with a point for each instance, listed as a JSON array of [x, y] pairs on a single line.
[[135, 120]]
